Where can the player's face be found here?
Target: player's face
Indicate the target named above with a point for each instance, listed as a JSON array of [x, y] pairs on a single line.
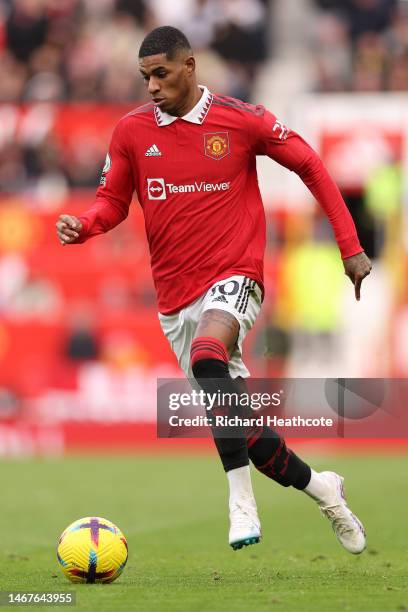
[[169, 82]]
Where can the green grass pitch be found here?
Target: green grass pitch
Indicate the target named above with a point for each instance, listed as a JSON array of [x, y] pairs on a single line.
[[173, 510]]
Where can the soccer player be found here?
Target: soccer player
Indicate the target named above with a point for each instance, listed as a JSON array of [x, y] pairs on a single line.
[[190, 156]]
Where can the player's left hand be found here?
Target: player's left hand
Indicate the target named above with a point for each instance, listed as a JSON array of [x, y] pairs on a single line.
[[356, 268]]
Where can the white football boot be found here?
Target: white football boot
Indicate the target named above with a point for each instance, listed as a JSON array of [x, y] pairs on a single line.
[[333, 505], [245, 527]]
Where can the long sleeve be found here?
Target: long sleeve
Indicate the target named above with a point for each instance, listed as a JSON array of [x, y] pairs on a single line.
[[114, 194], [287, 148]]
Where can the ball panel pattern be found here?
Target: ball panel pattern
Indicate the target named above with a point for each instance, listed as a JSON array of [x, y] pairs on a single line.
[[92, 549]]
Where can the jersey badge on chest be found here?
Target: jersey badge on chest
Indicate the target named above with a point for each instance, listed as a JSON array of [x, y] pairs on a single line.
[[216, 145]]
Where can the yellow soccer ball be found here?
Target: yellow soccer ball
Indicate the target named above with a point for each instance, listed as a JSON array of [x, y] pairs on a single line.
[[92, 549]]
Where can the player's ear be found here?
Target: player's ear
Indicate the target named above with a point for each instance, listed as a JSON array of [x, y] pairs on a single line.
[[190, 65]]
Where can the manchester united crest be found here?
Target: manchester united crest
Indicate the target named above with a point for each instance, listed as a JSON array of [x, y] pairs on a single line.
[[216, 145]]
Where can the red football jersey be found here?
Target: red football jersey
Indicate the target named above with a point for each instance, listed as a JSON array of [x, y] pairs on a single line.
[[195, 178]]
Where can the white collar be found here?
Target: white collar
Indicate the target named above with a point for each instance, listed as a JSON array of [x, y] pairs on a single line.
[[196, 115]]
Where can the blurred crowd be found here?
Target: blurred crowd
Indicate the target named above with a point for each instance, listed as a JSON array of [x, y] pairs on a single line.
[[53, 50], [64, 51], [58, 51], [361, 45]]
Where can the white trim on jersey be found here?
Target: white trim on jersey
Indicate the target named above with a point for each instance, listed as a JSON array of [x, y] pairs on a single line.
[[196, 115]]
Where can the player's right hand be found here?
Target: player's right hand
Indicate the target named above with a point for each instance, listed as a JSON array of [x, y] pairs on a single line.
[[68, 228], [356, 268]]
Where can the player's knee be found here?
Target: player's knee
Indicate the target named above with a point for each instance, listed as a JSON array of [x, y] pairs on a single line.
[[209, 358]]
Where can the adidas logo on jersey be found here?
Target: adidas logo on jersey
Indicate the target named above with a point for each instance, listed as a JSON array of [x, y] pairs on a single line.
[[153, 151], [220, 298]]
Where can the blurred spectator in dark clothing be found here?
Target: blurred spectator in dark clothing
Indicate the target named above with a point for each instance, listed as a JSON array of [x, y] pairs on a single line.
[[26, 27], [81, 342], [361, 15], [136, 8], [369, 16], [331, 5], [81, 345], [242, 40]]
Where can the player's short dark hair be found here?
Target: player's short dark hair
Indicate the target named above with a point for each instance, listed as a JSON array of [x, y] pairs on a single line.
[[164, 39]]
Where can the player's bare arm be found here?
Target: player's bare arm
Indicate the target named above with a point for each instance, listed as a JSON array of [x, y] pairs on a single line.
[[357, 268], [68, 228]]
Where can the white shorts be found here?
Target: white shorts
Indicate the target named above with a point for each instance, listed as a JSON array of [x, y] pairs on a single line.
[[238, 295]]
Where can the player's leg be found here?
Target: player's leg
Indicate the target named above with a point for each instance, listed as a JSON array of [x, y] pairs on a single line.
[[266, 449], [270, 455], [215, 338], [179, 329]]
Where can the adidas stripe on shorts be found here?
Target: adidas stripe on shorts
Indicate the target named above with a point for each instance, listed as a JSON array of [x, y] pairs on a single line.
[[238, 295]]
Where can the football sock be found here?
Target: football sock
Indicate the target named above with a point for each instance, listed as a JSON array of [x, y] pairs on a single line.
[[209, 362], [317, 486], [240, 485], [270, 455], [263, 446]]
